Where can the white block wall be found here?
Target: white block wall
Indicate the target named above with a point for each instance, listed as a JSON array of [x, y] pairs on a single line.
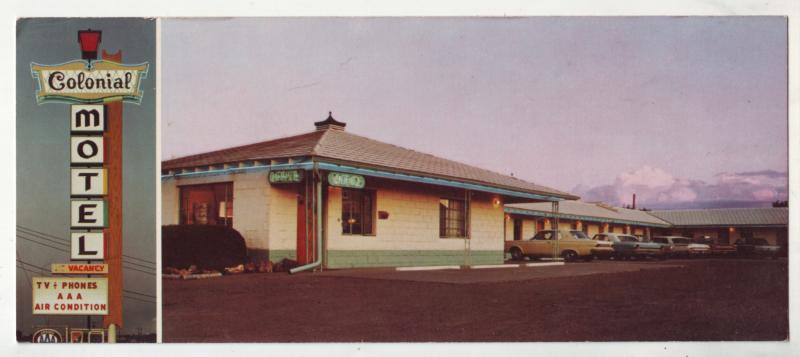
[[413, 222]]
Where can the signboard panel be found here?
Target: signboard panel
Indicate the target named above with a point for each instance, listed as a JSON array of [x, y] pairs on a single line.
[[88, 213], [86, 150], [346, 180], [286, 176], [88, 182], [77, 268], [87, 246], [78, 82], [70, 296], [88, 118]]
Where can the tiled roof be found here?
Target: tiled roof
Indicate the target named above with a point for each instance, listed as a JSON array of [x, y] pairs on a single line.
[[594, 210], [726, 217], [293, 146], [342, 147]]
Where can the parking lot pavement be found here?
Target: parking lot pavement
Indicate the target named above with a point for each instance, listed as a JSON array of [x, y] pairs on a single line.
[[674, 300], [471, 276]]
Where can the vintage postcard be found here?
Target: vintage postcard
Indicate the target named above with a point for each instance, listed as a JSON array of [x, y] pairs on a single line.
[[506, 181], [533, 179]]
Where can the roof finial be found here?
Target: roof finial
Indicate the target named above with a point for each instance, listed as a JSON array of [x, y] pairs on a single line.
[[330, 123]]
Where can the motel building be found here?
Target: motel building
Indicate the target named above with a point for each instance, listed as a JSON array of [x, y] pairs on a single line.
[[338, 200], [728, 225], [523, 220]]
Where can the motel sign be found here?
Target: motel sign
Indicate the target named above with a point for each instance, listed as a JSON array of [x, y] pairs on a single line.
[[95, 90]]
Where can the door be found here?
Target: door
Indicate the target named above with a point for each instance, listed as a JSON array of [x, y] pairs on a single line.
[[305, 234], [724, 236], [517, 229]]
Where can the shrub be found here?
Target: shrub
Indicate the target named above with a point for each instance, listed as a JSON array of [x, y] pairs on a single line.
[[206, 246]]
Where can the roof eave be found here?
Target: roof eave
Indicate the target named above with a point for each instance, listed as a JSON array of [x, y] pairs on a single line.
[[440, 177]]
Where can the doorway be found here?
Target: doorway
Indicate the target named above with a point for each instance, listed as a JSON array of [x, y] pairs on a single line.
[[517, 229]]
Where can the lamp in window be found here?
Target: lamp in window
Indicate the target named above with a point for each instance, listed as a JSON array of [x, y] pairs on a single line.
[[351, 220], [731, 229], [89, 41]]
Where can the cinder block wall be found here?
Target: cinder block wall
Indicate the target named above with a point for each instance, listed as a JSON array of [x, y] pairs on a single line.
[[170, 202], [282, 223], [251, 205], [410, 236]]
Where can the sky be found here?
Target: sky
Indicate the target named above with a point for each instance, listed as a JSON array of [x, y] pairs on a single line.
[[682, 111], [43, 161]]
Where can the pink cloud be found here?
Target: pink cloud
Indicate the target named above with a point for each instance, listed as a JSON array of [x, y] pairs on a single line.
[[656, 187]]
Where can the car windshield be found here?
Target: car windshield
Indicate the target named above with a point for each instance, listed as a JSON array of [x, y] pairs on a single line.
[[579, 235], [759, 241], [681, 240], [627, 239]]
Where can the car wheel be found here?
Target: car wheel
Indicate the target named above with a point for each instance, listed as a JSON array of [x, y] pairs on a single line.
[[569, 255], [516, 254]]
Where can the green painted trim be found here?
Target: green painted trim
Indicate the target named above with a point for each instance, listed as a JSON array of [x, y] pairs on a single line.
[[273, 255], [399, 258]]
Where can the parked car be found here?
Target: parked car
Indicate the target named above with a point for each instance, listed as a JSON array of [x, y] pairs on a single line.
[[682, 246], [756, 247], [716, 248], [570, 245], [628, 246]]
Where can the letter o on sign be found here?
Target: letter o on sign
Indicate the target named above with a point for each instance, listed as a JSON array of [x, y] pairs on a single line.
[[87, 150]]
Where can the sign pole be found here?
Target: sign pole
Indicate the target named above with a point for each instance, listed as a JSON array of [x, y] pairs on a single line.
[[113, 233]]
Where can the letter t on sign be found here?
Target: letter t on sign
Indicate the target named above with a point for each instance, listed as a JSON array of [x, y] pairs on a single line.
[[88, 182]]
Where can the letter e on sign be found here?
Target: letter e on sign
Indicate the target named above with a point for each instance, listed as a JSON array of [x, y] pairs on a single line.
[[87, 246], [87, 118], [87, 150], [88, 214]]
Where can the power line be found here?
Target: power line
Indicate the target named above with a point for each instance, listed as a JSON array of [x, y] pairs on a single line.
[[124, 267], [124, 262], [137, 264], [137, 299], [60, 240], [40, 243], [138, 293], [43, 236]]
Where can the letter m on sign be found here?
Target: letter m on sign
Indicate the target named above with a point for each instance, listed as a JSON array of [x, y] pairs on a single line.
[[88, 118]]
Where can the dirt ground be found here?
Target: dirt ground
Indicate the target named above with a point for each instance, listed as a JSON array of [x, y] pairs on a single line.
[[675, 300]]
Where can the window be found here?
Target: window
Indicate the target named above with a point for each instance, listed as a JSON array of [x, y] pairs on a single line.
[[599, 237], [545, 235], [207, 204], [579, 234], [452, 218], [358, 211]]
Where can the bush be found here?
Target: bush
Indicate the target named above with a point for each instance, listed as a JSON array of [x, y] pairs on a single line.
[[206, 246]]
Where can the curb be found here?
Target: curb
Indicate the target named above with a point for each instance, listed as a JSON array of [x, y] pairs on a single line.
[[489, 266]]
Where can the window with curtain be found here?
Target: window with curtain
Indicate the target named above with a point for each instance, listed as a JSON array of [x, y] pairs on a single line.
[[452, 218], [358, 212]]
